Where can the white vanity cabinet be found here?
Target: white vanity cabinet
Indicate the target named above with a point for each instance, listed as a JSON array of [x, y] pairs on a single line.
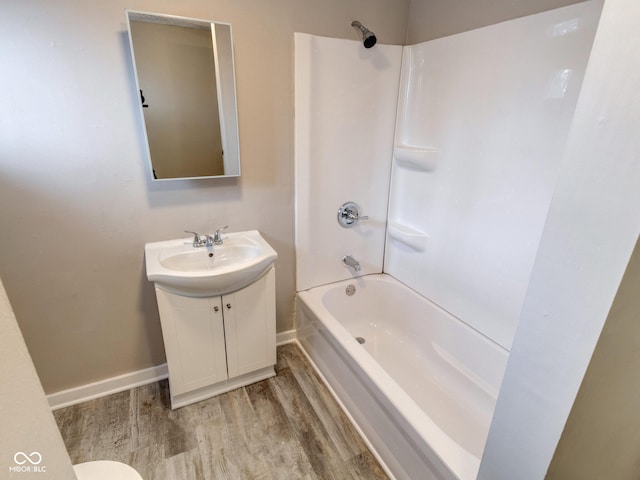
[[216, 344]]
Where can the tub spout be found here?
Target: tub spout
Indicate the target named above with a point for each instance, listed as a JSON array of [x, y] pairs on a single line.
[[349, 261]]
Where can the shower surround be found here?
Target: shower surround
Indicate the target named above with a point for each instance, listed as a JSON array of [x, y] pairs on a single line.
[[482, 123], [456, 172]]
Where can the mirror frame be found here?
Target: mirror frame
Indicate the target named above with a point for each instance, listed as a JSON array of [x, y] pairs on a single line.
[[225, 87]]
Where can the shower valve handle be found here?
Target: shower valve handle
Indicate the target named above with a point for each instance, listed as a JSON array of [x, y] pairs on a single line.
[[354, 216], [349, 215]]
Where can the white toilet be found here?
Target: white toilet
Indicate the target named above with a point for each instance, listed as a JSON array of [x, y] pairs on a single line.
[[105, 470]]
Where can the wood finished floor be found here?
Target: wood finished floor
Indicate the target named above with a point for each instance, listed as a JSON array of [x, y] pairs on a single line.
[[286, 427]]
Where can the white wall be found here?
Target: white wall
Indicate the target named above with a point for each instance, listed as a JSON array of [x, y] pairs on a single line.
[[345, 98], [590, 233], [482, 123]]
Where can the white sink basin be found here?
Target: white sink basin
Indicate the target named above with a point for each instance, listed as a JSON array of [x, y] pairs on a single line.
[[178, 266]]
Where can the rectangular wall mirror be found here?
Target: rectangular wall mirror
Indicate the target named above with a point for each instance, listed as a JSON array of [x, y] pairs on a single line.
[[184, 72]]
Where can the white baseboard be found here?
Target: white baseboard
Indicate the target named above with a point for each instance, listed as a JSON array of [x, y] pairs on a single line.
[[91, 391], [285, 337], [102, 388]]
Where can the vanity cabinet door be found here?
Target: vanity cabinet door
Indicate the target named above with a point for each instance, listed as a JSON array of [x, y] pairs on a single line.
[[193, 330], [250, 326]]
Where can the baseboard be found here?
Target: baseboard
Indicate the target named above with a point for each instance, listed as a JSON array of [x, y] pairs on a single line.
[[91, 391], [102, 388], [285, 337]]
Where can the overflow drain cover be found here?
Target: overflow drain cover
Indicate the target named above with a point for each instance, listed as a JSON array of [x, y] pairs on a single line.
[[360, 340]]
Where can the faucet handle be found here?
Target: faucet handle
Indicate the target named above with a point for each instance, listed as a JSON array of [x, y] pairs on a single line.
[[217, 237], [349, 214], [196, 238]]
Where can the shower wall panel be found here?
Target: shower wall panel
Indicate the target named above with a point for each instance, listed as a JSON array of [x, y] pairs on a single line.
[[482, 123], [345, 107]]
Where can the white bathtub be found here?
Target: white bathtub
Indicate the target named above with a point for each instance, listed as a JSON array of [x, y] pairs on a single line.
[[423, 386]]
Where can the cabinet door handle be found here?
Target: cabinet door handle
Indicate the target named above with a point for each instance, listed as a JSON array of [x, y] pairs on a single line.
[[215, 309], [229, 306]]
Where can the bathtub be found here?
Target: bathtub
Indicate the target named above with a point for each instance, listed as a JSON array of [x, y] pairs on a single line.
[[420, 384]]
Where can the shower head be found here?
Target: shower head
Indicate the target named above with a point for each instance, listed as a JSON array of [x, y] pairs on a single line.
[[368, 37]]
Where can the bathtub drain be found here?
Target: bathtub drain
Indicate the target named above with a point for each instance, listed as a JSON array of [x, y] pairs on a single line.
[[360, 340]]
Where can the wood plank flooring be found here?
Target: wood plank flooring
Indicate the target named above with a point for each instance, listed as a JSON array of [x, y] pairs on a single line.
[[286, 427]]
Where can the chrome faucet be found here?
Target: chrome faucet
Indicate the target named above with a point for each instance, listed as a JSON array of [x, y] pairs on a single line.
[[202, 240], [207, 240], [349, 261]]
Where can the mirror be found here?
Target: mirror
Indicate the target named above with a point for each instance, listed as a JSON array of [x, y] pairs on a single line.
[[184, 71]]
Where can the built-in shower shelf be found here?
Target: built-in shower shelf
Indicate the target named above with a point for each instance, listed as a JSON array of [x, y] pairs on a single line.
[[416, 157], [408, 235]]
